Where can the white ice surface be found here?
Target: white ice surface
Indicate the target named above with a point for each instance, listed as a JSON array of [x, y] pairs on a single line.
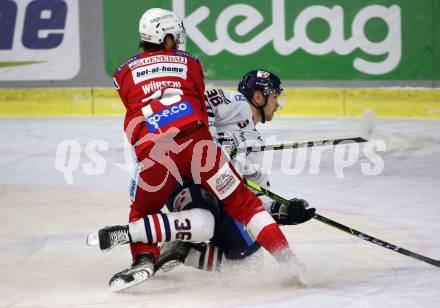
[[44, 261]]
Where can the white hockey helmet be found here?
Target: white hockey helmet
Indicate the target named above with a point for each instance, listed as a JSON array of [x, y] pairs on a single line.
[[156, 23]]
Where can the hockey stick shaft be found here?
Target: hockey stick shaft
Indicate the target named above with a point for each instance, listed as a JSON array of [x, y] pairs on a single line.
[[349, 230], [295, 145]]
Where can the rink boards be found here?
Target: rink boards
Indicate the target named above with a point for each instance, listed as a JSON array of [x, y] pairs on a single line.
[[398, 102]]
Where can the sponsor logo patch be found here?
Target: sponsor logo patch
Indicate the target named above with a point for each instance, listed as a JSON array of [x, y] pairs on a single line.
[[161, 18], [263, 74], [224, 182], [157, 59], [182, 200], [159, 70], [240, 97], [134, 181], [168, 115]]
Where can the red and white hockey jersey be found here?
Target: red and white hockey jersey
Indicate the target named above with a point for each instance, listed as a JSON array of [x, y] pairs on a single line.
[[160, 90]]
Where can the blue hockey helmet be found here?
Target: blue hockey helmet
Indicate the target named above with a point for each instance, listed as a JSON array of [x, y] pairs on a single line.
[[262, 80]]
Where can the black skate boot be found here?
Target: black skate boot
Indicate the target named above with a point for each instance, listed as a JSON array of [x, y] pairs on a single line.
[[141, 269], [110, 237], [173, 254]]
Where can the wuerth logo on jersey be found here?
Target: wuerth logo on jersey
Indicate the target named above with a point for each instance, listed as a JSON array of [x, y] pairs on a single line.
[[39, 40]]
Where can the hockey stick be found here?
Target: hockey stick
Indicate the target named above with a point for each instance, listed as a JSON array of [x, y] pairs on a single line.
[[347, 229], [368, 123], [294, 145]]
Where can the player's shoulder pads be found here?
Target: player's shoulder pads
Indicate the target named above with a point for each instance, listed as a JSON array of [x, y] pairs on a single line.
[[126, 62], [186, 55]]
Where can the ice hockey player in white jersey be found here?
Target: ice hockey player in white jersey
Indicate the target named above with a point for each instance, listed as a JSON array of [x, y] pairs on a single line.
[[233, 117]]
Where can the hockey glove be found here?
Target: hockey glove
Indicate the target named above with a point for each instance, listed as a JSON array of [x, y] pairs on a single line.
[[227, 139], [296, 212], [228, 142]]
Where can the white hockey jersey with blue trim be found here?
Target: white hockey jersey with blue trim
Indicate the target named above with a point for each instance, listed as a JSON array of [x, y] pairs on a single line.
[[231, 124]]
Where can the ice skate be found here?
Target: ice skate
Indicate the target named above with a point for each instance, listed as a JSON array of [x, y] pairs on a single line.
[[109, 237], [173, 254], [141, 270]]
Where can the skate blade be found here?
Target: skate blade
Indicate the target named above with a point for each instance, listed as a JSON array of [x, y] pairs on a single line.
[[168, 266], [119, 284], [93, 239]]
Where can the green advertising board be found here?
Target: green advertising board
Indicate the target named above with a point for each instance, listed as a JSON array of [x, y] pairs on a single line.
[[298, 40]]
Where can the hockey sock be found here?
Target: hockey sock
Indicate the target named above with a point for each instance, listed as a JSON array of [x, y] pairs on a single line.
[[267, 233], [208, 259], [195, 225]]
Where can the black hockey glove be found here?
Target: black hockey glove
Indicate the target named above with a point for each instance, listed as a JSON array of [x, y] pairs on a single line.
[[296, 212]]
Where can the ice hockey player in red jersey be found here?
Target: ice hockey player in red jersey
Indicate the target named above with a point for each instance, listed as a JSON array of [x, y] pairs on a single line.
[[167, 124]]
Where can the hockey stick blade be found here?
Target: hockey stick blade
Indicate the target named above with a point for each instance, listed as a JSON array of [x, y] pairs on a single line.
[[295, 145], [349, 230]]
